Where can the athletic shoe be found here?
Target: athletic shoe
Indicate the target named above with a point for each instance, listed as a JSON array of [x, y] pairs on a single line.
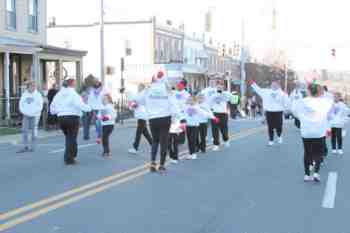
[[311, 168], [340, 152], [132, 151], [227, 144], [317, 177], [24, 150], [216, 148], [334, 151], [162, 170], [280, 140], [153, 167], [307, 178], [194, 156], [270, 143], [174, 161]]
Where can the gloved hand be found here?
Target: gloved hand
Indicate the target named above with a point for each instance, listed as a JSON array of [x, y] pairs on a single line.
[[105, 118], [133, 105], [251, 82], [183, 127], [216, 120], [328, 133]]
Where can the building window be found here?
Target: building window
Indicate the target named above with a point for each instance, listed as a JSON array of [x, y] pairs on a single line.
[[33, 16], [11, 14]]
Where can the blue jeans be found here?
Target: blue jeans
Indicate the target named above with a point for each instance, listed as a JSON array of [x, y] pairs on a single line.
[[87, 119]]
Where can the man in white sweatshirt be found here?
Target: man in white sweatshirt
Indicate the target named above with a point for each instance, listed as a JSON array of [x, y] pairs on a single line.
[[68, 106], [275, 102], [31, 106]]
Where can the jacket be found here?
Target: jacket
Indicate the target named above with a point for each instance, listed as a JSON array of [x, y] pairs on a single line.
[[273, 100], [31, 104]]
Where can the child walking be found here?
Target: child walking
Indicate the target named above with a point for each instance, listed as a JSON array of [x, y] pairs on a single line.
[[313, 113], [193, 114], [107, 117], [176, 129], [338, 116]]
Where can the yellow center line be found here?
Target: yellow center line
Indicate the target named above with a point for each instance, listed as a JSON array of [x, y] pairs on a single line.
[[87, 190]]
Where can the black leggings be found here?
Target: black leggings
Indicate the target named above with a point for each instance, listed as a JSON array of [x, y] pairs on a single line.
[[202, 138], [274, 121], [141, 130], [221, 126], [106, 132], [70, 127], [174, 140], [313, 152], [192, 138], [337, 138], [160, 134]]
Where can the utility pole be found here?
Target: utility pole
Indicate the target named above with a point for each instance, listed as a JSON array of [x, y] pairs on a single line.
[[243, 57], [102, 44]]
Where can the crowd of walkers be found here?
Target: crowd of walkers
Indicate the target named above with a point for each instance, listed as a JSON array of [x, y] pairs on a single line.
[[176, 116]]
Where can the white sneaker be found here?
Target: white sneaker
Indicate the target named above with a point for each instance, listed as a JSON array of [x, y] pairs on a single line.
[[174, 161], [270, 143], [307, 178], [340, 152], [334, 151], [188, 157], [133, 151], [317, 177], [216, 148], [227, 144], [280, 140], [194, 156], [311, 168]]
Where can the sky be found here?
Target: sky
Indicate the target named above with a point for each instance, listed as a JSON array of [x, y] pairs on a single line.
[[306, 29]]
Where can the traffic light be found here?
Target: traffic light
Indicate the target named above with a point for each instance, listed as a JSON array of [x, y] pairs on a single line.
[[333, 51]]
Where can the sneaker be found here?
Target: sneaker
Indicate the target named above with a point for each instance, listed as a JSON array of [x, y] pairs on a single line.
[[24, 150], [340, 152], [162, 170], [311, 168], [194, 156], [227, 144], [188, 157], [307, 178], [280, 140], [317, 177], [270, 143], [174, 161], [133, 151], [216, 148], [334, 152], [153, 167]]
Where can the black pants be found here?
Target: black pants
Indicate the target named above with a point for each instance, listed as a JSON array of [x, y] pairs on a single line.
[[174, 140], [222, 126], [192, 138], [337, 138], [160, 134], [141, 130], [70, 127], [202, 138], [274, 122], [297, 122], [325, 147], [233, 110], [106, 132], [313, 152]]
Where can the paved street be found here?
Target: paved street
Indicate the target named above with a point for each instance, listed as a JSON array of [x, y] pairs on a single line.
[[248, 188]]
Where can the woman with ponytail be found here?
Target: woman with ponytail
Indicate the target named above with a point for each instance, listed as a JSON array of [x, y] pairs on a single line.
[[312, 112]]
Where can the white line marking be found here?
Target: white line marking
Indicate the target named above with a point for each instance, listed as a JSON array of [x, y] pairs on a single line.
[[331, 190], [81, 146]]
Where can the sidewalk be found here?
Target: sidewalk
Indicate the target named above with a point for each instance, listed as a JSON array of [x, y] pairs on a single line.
[[16, 138]]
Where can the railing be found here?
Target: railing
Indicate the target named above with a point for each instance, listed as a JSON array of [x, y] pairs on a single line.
[[15, 115], [123, 111]]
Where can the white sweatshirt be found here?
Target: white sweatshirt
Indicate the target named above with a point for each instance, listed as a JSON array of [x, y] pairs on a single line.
[[193, 115], [339, 115], [273, 100], [208, 93], [218, 101], [181, 98], [140, 111], [109, 112], [204, 119], [158, 101], [95, 98], [312, 113], [67, 102], [31, 104]]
